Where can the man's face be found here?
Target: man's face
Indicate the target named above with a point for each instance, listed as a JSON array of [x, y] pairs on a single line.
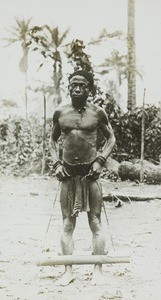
[[79, 89]]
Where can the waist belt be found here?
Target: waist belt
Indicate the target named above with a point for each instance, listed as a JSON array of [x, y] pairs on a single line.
[[78, 169]]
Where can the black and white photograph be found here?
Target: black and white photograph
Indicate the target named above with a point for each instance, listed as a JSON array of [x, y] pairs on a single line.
[[80, 150]]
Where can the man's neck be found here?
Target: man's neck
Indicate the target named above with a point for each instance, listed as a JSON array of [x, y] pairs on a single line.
[[79, 106]]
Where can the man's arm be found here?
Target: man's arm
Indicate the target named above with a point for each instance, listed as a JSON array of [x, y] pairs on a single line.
[[108, 133], [110, 142], [60, 171], [55, 134]]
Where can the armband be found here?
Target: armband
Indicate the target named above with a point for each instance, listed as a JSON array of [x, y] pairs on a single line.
[[57, 164], [100, 160]]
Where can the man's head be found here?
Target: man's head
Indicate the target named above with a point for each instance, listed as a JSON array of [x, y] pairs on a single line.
[[80, 84], [88, 76]]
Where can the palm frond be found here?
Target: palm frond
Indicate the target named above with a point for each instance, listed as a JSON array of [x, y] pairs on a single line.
[[36, 29], [19, 31], [104, 35], [22, 23], [13, 31], [63, 36], [55, 36], [48, 28], [10, 41]]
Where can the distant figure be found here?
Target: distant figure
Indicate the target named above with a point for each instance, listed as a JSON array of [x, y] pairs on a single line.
[[77, 124]]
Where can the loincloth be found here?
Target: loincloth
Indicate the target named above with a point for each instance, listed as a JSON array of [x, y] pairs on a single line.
[[76, 189], [79, 169]]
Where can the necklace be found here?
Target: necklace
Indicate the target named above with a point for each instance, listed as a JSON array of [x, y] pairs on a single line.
[[81, 110]]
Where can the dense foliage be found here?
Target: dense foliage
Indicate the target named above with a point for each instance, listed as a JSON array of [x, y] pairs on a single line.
[[21, 141], [21, 146], [128, 128]]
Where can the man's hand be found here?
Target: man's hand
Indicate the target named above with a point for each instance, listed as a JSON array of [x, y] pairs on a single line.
[[61, 173], [95, 170]]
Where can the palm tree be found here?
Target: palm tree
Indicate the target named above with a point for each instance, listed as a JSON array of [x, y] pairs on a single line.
[[116, 62], [48, 42], [131, 60], [20, 33], [124, 65], [104, 36]]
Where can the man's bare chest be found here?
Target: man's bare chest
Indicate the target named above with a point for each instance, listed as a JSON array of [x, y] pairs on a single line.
[[78, 120]]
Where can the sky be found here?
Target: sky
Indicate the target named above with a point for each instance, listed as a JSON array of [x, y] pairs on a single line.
[[86, 19]]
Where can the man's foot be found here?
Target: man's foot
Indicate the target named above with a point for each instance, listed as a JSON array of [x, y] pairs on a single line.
[[98, 278], [67, 277]]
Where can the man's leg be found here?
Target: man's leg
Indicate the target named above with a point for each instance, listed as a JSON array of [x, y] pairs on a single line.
[[66, 240], [94, 218], [67, 246], [67, 243]]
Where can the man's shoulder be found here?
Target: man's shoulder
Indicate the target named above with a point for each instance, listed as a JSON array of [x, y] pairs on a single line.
[[62, 108], [97, 109]]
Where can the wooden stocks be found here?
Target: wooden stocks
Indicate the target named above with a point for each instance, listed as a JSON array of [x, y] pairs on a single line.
[[82, 260]]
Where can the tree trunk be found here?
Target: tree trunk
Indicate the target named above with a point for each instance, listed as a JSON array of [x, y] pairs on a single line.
[[24, 69], [131, 171], [142, 139], [43, 141], [57, 76], [131, 68], [26, 97]]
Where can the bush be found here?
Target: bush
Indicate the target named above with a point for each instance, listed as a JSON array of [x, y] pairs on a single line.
[[127, 129], [21, 146]]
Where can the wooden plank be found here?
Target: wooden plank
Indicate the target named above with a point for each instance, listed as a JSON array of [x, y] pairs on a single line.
[[126, 198], [82, 260]]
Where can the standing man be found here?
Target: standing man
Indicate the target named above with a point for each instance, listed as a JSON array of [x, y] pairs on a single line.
[[77, 124]]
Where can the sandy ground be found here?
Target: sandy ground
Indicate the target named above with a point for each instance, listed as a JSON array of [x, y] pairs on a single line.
[[26, 206]]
